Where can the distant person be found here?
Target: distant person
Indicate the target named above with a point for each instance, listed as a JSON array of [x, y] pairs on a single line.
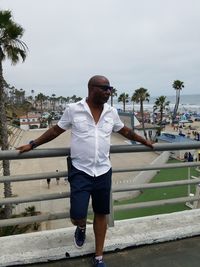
[[48, 182], [186, 156], [198, 136], [190, 157], [65, 180], [92, 122], [57, 179]]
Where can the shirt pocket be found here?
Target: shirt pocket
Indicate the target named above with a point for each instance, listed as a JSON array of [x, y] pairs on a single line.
[[81, 124], [107, 125]]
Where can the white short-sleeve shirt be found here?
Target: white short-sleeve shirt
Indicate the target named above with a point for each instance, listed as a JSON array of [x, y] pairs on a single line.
[[90, 142]]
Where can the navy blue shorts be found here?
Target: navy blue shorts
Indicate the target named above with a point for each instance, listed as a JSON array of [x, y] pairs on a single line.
[[82, 187]]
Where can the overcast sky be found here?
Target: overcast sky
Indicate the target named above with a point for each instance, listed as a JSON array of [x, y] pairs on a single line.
[[143, 43]]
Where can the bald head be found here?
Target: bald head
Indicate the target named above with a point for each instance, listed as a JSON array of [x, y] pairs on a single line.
[[98, 79], [99, 90]]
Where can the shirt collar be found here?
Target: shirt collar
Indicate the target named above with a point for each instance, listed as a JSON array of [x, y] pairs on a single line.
[[105, 107]]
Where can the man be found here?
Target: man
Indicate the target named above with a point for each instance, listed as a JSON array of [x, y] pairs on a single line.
[[91, 121]]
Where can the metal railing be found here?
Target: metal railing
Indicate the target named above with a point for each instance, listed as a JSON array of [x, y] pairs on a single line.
[[60, 152]]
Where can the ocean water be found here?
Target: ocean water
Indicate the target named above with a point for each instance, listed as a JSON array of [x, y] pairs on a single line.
[[188, 103]]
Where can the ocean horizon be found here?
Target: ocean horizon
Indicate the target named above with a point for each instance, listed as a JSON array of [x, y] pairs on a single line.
[[185, 99], [188, 103]]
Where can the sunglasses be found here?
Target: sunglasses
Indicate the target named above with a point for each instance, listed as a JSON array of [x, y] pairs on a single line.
[[104, 87]]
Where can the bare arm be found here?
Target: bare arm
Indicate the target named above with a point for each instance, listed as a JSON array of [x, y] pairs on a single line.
[[131, 135], [49, 135]]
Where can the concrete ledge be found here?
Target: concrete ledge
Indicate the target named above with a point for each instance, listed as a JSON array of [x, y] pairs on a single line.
[[56, 244]]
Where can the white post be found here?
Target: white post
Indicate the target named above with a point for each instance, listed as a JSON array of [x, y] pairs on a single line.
[[196, 204], [110, 217], [189, 187]]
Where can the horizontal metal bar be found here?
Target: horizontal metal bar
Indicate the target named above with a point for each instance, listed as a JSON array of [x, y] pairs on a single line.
[[42, 197], [63, 215], [37, 153], [59, 152], [32, 219], [157, 147], [155, 203], [159, 167], [154, 185], [40, 176], [37, 218], [30, 177]]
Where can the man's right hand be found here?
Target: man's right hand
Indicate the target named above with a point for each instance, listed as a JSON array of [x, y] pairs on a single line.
[[24, 148]]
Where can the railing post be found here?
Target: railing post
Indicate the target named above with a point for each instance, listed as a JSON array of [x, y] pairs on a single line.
[[110, 217], [196, 204], [189, 187]]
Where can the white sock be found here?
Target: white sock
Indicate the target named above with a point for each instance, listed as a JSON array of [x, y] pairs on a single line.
[[82, 227], [99, 258]]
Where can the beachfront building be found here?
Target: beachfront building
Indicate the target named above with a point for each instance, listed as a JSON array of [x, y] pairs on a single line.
[[151, 130], [129, 119], [132, 121], [29, 121]]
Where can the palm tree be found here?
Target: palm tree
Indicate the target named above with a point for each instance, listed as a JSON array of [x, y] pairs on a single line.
[[113, 94], [178, 86], [53, 100], [140, 95], [27, 107], [32, 93], [41, 98], [13, 48], [11, 93], [78, 98], [65, 100], [124, 99], [161, 105], [19, 96], [73, 98]]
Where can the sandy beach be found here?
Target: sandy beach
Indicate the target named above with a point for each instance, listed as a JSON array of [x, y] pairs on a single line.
[[195, 126]]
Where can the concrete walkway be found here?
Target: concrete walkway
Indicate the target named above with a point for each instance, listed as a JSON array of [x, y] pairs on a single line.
[[181, 253], [58, 244]]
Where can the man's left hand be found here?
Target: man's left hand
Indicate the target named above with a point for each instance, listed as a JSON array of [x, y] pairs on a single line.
[[149, 144]]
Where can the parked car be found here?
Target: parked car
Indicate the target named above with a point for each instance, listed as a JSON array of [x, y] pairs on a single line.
[[197, 119], [176, 121], [33, 126], [16, 122], [43, 125], [45, 115], [185, 121], [165, 122], [56, 116]]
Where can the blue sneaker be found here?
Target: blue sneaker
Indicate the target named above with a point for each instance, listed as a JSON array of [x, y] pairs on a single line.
[[79, 237], [98, 263]]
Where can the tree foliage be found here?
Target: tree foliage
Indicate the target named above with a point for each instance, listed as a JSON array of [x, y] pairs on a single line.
[[178, 86], [161, 104], [139, 96], [124, 98], [14, 49]]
